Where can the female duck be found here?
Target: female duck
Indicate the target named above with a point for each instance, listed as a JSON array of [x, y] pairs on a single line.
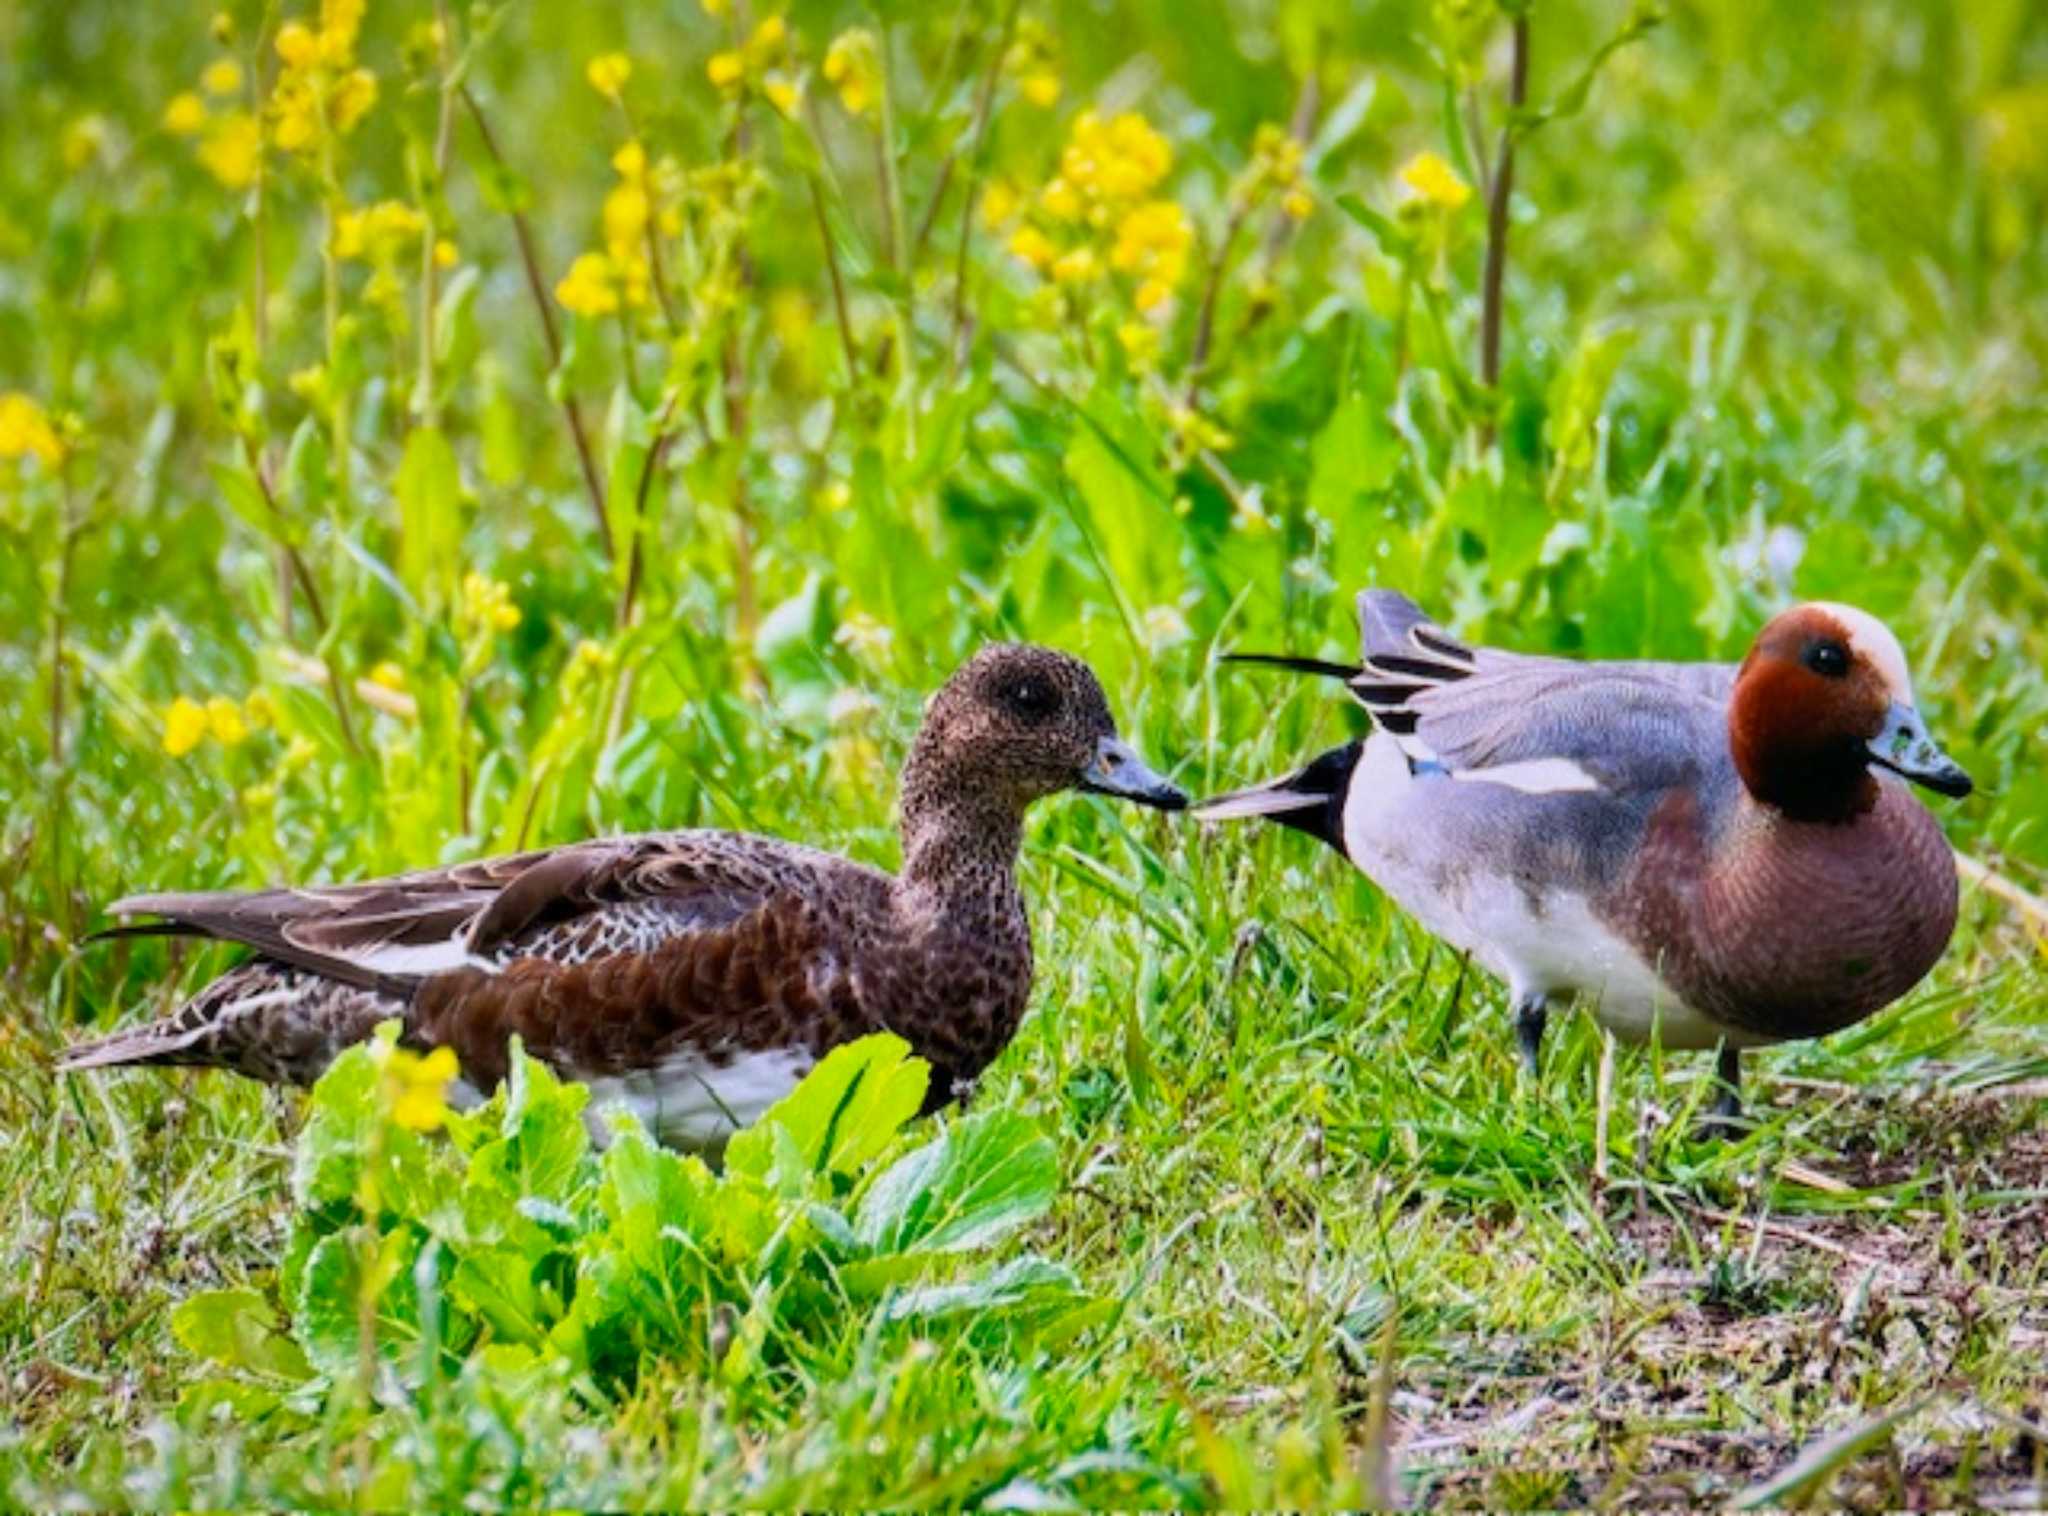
[[696, 975], [1712, 854]]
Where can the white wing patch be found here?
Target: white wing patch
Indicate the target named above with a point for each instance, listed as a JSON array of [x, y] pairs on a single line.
[[418, 957], [1533, 776], [694, 1101]]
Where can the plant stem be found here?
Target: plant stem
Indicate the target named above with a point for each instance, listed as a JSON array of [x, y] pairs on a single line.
[[427, 403], [663, 431], [1205, 326], [984, 106], [537, 287], [838, 280], [1500, 189], [304, 577]]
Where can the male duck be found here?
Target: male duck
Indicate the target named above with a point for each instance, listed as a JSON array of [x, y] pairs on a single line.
[[1702, 851], [696, 974]]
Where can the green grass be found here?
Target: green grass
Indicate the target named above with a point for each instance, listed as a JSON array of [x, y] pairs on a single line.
[[1774, 308]]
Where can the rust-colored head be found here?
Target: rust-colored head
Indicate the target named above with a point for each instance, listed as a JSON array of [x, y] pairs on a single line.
[[1823, 694]]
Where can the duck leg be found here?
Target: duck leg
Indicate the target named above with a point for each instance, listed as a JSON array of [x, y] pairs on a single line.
[[1724, 1116], [1532, 1014]]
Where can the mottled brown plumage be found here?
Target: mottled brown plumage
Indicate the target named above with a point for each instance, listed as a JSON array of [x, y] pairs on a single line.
[[660, 962]]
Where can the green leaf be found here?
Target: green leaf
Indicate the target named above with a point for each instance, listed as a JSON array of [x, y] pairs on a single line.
[[1356, 454], [543, 1145], [791, 642], [987, 1176], [1392, 240], [238, 1330], [1029, 1284], [455, 333], [341, 1276], [845, 1111], [429, 490], [1579, 392]]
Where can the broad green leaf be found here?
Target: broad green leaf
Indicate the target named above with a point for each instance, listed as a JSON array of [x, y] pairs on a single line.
[[350, 1287], [1029, 1284], [845, 1111], [429, 490], [984, 1178], [1356, 454], [237, 1329], [542, 1144], [1579, 392]]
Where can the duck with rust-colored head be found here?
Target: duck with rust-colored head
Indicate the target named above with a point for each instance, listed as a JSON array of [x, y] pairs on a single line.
[[695, 975], [1713, 855]]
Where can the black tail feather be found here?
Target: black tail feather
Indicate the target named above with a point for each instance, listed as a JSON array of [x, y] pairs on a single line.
[[1322, 666]]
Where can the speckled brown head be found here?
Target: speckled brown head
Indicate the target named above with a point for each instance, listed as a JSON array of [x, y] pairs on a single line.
[[1823, 694], [1016, 723]]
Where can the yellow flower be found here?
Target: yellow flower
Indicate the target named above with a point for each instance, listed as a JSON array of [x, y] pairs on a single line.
[[416, 1087], [608, 73], [1435, 181], [83, 140], [630, 161], [223, 76], [1152, 241], [1114, 161], [588, 289], [184, 726], [1152, 294], [1076, 266], [185, 116], [233, 149], [1061, 201], [852, 66], [1042, 89], [352, 98], [782, 95], [297, 45], [487, 604], [26, 429], [295, 112], [1140, 341], [768, 38], [445, 255], [377, 233], [1034, 247], [224, 720], [725, 70], [1298, 203], [340, 20], [998, 203]]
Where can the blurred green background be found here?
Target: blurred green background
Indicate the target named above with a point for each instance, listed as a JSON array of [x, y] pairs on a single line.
[[1774, 329]]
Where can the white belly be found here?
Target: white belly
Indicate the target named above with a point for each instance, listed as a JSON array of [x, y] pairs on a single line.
[[1562, 950], [692, 1102]]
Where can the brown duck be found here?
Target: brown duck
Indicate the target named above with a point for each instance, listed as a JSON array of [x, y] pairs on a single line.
[[692, 975]]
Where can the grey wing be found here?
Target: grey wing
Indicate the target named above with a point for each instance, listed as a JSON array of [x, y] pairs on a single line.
[[1628, 727]]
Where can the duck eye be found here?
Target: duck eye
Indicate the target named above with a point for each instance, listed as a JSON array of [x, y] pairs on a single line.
[[1827, 657], [1032, 699]]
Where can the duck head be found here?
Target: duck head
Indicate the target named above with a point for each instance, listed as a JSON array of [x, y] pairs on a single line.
[[1016, 723], [1822, 696]]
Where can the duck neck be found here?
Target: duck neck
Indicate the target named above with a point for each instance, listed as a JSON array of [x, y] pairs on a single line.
[[960, 840]]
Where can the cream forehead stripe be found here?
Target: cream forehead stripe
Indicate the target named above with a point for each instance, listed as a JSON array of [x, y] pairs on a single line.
[[1873, 640]]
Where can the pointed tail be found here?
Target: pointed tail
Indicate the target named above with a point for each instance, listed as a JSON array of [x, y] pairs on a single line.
[[1310, 799]]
